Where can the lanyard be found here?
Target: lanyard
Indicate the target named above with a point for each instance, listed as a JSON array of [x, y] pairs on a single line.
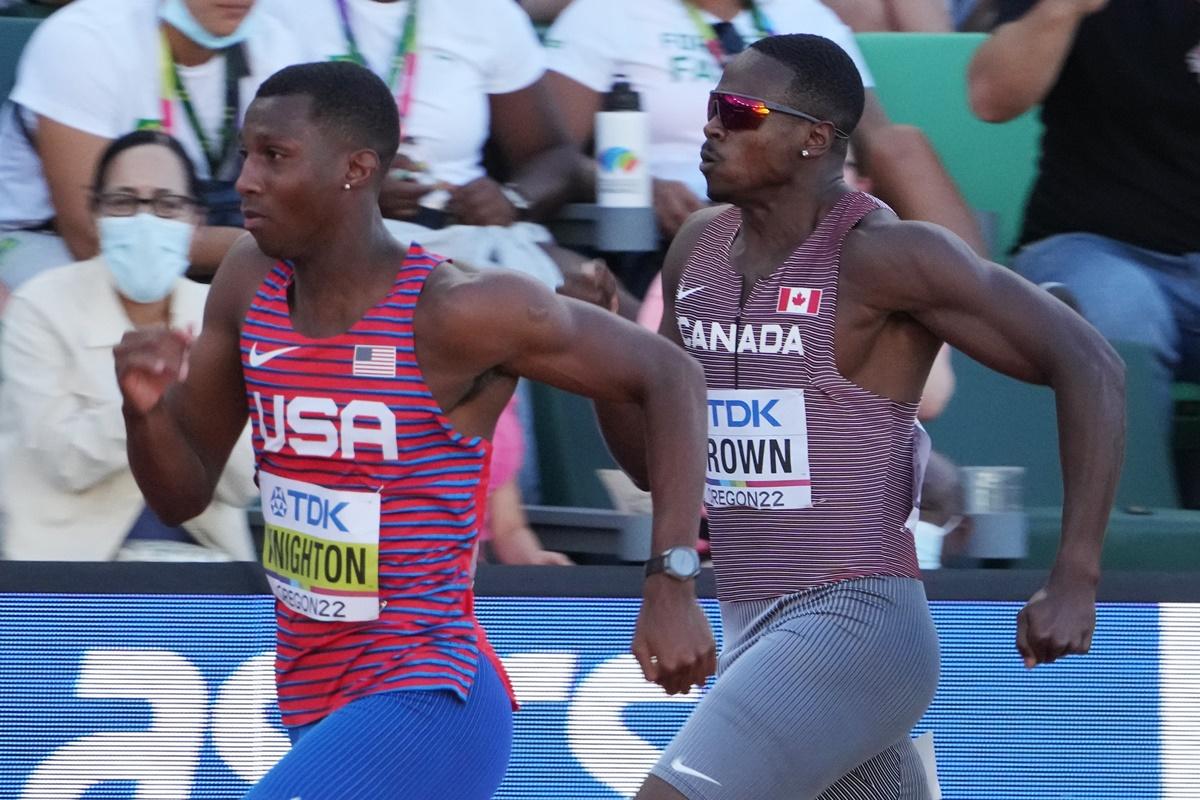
[[173, 89], [713, 42], [404, 61]]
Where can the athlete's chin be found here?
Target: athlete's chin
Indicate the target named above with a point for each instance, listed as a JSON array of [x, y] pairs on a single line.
[[270, 245], [719, 192]]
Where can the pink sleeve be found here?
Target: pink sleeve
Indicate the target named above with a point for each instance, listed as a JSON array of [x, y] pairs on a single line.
[[651, 312], [508, 447]]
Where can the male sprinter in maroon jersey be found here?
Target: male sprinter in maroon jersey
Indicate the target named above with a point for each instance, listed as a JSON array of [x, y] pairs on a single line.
[[373, 374], [817, 314]]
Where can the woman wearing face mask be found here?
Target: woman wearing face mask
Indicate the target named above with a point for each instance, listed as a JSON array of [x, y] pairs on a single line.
[[65, 481], [98, 69]]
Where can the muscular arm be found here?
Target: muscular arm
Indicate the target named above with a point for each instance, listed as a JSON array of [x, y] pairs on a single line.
[[1003, 321], [906, 173], [179, 445], [526, 126], [535, 334], [623, 424], [1019, 63]]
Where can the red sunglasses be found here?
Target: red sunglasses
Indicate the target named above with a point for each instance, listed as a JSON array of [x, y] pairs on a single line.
[[739, 112]]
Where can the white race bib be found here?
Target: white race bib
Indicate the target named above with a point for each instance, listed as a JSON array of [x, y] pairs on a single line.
[[757, 450], [321, 549]]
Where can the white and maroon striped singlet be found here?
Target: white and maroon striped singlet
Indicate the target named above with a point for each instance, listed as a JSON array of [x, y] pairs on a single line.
[[810, 477]]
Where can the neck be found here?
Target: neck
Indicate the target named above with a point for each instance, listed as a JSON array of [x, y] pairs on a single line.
[[724, 9], [345, 272], [143, 315], [775, 222], [184, 51]]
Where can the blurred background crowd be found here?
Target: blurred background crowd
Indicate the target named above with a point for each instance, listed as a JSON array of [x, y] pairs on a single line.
[[1058, 137]]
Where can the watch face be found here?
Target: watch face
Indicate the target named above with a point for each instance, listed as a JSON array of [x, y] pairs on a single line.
[[682, 561]]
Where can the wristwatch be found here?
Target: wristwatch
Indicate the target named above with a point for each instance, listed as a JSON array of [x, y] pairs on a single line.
[[518, 200], [680, 563]]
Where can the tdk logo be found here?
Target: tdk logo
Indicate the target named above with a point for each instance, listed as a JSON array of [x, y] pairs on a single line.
[[310, 508], [742, 414]]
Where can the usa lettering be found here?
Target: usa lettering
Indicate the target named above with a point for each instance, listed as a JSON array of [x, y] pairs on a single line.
[[746, 338], [313, 426]]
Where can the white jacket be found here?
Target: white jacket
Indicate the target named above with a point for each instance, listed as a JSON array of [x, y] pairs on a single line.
[[65, 484]]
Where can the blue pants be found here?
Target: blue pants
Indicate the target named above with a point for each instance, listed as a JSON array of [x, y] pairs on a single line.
[[416, 745], [1131, 295]]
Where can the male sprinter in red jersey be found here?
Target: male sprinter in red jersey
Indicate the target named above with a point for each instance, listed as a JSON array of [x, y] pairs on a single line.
[[373, 374], [816, 315]]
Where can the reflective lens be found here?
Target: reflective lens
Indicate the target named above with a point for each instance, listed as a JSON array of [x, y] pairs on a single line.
[[737, 113]]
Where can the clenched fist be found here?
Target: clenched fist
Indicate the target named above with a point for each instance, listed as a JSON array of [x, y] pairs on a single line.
[[148, 361]]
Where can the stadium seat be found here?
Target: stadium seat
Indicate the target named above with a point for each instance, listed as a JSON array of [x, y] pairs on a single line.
[[921, 80], [14, 33]]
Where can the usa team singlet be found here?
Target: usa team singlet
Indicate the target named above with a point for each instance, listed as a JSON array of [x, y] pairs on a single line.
[[372, 504]]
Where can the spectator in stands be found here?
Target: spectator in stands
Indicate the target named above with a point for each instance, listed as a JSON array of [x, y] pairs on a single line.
[[673, 50], [464, 74], [98, 69], [932, 16], [1115, 210], [942, 530], [506, 534], [65, 481]]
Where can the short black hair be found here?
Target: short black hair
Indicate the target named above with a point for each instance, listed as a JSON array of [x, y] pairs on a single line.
[[825, 80], [346, 98], [139, 139]]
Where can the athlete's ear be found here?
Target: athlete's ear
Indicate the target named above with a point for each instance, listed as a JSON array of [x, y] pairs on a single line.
[[362, 168], [819, 141]]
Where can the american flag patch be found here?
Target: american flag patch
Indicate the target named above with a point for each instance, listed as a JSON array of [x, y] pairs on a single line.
[[374, 362]]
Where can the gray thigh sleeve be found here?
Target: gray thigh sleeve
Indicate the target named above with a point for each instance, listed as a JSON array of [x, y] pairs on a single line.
[[819, 698]]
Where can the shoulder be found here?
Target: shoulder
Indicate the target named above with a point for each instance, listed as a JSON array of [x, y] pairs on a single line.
[[97, 25], [60, 286], [237, 280], [802, 16], [892, 261], [460, 294]]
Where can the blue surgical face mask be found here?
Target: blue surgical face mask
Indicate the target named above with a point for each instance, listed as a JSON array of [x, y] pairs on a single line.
[[177, 14], [145, 254]]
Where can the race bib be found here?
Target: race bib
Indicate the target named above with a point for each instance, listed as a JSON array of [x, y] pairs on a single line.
[[757, 450], [321, 549]]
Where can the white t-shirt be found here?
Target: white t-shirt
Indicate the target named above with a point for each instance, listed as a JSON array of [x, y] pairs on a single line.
[[466, 50], [656, 44], [94, 66]]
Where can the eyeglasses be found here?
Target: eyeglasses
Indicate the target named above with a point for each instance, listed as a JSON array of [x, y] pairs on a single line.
[[123, 204], [739, 112]]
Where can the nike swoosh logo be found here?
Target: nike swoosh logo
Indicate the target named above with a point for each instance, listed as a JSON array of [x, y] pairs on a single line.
[[683, 769], [257, 359], [682, 293]]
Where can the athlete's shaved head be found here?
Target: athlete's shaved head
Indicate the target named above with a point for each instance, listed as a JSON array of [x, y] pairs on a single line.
[[825, 81], [348, 100]]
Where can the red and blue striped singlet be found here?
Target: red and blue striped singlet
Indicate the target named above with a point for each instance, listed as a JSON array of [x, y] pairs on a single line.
[[372, 504], [810, 478]]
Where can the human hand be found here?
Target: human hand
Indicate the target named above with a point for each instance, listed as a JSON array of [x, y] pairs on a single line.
[[674, 202], [550, 558], [148, 361], [482, 202], [400, 198], [1058, 620], [673, 642], [1082, 7], [592, 282]]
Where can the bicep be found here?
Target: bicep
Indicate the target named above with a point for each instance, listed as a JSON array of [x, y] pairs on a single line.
[[524, 123], [577, 104], [69, 157], [992, 314]]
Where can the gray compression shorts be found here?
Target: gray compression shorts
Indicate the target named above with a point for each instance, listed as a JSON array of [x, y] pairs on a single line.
[[816, 695]]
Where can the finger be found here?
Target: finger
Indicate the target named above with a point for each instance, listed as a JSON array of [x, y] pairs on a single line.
[[648, 663], [1023, 646]]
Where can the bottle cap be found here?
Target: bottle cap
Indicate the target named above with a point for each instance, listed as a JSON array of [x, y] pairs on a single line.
[[622, 97]]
